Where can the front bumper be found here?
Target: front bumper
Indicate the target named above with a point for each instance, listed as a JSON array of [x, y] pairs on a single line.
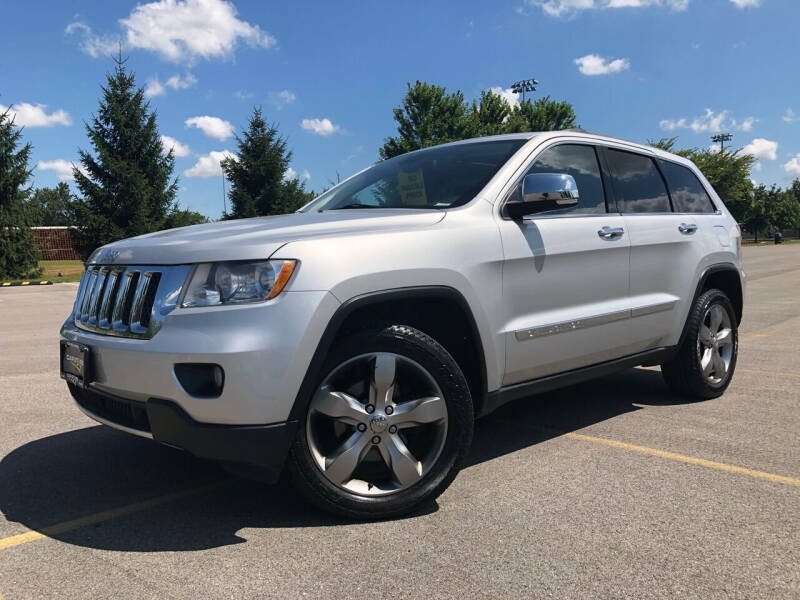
[[264, 350], [261, 446]]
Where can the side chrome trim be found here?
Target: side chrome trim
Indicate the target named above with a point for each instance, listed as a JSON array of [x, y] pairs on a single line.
[[653, 308], [564, 326]]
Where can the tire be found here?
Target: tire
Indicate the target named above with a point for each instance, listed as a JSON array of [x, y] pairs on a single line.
[[694, 372], [427, 404]]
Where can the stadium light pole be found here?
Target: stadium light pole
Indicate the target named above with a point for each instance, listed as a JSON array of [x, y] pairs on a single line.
[[525, 85], [721, 138]]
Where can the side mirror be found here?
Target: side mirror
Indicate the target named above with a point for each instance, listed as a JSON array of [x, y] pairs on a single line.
[[542, 192]]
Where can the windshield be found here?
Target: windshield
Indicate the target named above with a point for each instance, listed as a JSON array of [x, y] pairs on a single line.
[[441, 177]]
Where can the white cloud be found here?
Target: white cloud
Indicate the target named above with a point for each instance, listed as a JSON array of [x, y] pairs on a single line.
[[569, 8], [793, 166], [506, 94], [178, 149], [282, 98], [746, 3], [320, 126], [35, 115], [93, 44], [214, 127], [62, 168], [242, 95], [292, 174], [592, 64], [789, 116], [709, 122], [757, 167], [184, 30], [745, 125], [207, 165], [154, 87], [176, 82]]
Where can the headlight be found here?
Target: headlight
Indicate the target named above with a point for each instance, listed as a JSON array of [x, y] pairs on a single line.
[[212, 284]]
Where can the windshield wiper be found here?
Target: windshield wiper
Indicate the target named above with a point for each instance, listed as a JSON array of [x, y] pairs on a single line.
[[355, 205]]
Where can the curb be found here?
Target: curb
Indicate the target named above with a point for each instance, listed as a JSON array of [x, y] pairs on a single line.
[[16, 283]]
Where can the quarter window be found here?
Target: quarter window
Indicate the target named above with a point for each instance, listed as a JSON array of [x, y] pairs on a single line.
[[638, 185], [688, 194], [580, 161]]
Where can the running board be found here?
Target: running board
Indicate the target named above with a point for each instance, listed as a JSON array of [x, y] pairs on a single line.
[[498, 398]]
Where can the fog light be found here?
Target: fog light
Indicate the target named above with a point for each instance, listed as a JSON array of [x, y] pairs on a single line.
[[201, 380]]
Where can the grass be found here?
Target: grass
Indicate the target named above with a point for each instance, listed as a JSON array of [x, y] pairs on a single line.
[[61, 271]]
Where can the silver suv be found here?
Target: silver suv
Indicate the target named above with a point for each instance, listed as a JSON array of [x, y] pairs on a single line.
[[355, 341]]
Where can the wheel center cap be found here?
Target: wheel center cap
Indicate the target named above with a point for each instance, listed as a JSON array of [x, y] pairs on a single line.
[[378, 424]]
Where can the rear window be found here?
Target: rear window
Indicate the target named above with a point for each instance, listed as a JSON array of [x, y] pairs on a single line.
[[688, 194], [638, 185]]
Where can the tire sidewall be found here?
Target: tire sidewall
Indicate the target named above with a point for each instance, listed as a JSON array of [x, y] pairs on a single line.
[[430, 355], [706, 301]]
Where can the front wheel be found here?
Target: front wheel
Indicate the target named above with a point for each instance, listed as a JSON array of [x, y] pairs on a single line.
[[706, 360], [388, 427]]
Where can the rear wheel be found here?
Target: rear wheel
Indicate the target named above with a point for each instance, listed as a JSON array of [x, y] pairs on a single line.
[[387, 428], [705, 363]]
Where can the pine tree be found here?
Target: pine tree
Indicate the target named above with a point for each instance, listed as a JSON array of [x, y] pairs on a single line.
[[18, 252], [257, 174], [127, 186]]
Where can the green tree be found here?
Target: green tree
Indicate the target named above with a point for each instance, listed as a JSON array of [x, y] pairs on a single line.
[[183, 218], [428, 116], [128, 187], [543, 114], [18, 253], [786, 212], [490, 114], [259, 185], [51, 206], [758, 215]]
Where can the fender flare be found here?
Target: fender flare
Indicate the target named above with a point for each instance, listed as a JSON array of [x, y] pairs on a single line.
[[701, 282], [303, 397]]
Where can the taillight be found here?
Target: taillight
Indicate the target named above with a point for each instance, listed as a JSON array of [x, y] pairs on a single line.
[[738, 239]]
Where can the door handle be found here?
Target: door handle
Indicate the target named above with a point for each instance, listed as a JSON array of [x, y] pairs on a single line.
[[687, 228], [610, 233]]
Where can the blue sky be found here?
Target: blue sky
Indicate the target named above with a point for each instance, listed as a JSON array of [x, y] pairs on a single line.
[[329, 73]]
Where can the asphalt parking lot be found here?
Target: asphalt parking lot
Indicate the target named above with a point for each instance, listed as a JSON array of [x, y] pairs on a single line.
[[612, 488]]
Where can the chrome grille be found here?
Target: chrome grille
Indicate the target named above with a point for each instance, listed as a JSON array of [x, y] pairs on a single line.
[[127, 301]]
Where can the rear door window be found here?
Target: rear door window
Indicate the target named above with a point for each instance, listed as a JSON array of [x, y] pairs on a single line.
[[688, 194], [638, 185]]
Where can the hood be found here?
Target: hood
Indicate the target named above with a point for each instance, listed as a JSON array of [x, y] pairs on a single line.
[[251, 239]]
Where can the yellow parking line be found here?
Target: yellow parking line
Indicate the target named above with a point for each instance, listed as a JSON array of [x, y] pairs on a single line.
[[765, 334], [58, 528], [773, 373], [692, 460], [684, 458]]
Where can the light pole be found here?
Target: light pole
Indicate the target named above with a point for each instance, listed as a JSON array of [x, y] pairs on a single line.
[[722, 138], [526, 85]]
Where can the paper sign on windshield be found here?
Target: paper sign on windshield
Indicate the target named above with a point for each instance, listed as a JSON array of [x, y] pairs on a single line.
[[412, 188]]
